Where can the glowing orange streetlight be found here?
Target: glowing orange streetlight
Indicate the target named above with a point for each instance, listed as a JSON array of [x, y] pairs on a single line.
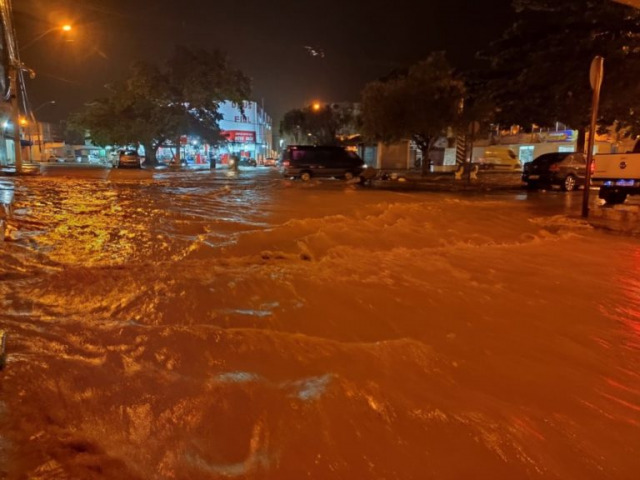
[[65, 28], [316, 106]]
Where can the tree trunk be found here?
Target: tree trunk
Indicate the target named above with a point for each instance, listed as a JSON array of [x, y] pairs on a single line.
[[581, 143], [150, 151], [176, 159], [424, 144]]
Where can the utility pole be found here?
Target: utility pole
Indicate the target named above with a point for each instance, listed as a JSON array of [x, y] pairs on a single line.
[[15, 115], [14, 66]]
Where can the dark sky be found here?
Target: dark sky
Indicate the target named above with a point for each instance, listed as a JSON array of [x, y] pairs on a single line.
[[362, 40]]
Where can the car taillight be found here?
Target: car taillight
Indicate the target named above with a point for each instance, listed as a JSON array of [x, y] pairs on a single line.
[[554, 168]]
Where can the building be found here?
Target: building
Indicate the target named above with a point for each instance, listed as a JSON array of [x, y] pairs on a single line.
[[248, 131]]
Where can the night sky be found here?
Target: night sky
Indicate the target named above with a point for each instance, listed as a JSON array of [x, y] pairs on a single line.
[[361, 41]]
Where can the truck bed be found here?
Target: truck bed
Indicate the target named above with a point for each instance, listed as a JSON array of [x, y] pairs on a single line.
[[616, 166], [617, 175]]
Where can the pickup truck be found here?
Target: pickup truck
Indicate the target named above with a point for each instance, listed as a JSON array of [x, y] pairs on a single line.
[[617, 175]]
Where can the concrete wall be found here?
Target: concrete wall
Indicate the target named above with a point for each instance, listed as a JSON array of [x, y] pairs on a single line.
[[396, 156]]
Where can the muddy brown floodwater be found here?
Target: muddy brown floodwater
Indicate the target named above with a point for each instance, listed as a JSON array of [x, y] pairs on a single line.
[[197, 325]]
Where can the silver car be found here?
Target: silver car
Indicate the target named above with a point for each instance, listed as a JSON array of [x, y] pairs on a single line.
[[129, 159]]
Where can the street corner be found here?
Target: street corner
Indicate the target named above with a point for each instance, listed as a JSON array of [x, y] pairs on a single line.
[[618, 218]]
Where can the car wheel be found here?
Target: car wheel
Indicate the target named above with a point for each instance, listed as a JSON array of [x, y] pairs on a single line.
[[348, 176], [569, 184], [305, 176]]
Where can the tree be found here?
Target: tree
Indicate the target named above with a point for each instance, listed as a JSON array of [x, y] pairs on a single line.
[[540, 67], [156, 105], [319, 124], [419, 105]]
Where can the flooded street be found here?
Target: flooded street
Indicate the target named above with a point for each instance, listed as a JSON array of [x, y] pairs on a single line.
[[205, 325]]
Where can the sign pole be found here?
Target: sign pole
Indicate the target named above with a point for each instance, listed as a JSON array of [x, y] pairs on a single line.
[[596, 76], [474, 128]]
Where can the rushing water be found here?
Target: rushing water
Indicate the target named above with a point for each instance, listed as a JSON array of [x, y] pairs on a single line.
[[204, 326]]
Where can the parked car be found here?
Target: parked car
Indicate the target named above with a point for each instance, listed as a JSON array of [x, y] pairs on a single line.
[[305, 162], [129, 159], [248, 162], [54, 159], [270, 162], [567, 170]]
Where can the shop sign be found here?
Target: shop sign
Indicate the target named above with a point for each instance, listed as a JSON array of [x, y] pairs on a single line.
[[561, 136], [240, 136]]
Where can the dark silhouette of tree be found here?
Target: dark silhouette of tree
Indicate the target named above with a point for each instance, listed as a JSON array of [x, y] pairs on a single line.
[[540, 67], [319, 125], [155, 105], [420, 105]]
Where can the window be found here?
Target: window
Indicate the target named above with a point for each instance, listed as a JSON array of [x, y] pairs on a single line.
[[526, 153]]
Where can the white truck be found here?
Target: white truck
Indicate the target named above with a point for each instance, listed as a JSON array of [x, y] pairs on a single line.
[[617, 175]]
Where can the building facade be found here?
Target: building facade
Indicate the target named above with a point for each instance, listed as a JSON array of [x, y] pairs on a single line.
[[247, 129]]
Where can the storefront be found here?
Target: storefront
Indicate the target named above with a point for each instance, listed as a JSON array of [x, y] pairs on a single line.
[[247, 130]]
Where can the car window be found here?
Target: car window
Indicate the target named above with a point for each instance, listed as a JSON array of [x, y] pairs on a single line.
[[578, 159], [298, 155]]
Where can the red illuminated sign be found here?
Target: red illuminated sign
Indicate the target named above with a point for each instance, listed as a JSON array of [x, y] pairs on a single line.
[[240, 136]]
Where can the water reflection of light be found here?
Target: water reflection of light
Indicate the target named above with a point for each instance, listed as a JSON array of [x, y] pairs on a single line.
[[83, 224], [6, 193], [628, 313]]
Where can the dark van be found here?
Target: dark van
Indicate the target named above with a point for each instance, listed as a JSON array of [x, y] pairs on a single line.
[[305, 162]]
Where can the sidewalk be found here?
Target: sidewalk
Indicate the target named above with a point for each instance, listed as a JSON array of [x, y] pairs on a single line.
[[484, 180], [27, 169], [47, 168]]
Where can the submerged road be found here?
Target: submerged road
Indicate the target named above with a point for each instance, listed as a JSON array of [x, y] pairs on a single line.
[[208, 325]]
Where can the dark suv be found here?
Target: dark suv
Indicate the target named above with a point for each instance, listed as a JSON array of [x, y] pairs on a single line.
[[565, 169], [305, 162]]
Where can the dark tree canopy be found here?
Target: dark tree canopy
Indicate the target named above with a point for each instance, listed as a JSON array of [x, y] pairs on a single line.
[[541, 65], [319, 125], [420, 105], [155, 105]]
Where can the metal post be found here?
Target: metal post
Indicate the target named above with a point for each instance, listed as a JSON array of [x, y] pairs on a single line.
[[470, 143], [15, 114], [474, 128], [41, 141], [596, 76]]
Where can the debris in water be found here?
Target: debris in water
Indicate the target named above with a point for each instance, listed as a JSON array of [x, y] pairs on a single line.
[[3, 344]]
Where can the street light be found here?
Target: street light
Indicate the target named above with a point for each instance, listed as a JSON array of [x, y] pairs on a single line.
[[50, 102], [66, 28]]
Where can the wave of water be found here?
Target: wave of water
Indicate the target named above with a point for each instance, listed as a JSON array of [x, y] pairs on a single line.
[[204, 326]]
